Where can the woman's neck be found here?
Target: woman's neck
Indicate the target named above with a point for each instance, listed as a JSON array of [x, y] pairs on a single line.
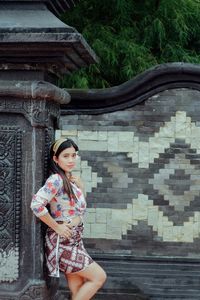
[[68, 174]]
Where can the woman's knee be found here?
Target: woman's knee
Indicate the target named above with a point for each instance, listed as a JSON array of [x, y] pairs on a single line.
[[75, 288], [100, 278], [95, 274], [74, 283]]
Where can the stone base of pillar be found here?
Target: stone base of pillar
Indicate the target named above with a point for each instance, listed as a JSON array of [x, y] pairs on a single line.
[[34, 290]]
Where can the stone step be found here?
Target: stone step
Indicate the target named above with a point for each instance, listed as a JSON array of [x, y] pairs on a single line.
[[149, 280], [108, 296], [156, 279], [149, 266], [174, 297]]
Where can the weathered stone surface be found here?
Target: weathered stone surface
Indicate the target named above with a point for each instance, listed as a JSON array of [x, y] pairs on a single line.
[[35, 48], [39, 90], [33, 39], [29, 111], [142, 140]]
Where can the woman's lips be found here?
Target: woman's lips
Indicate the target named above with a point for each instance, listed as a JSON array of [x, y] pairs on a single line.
[[70, 166]]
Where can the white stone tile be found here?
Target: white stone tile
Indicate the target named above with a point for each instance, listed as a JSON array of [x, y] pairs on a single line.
[[93, 145], [88, 135], [57, 134], [69, 133], [98, 230], [102, 135]]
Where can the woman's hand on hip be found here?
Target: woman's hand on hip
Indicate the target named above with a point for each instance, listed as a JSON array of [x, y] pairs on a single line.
[[64, 230]]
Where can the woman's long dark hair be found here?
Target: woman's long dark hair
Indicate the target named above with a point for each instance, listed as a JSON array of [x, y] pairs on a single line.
[[55, 169]]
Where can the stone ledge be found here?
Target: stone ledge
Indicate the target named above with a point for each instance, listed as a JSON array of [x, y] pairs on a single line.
[[38, 90], [32, 38]]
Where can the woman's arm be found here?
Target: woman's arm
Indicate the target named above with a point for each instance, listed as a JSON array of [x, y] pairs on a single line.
[[63, 230], [45, 195], [40, 201]]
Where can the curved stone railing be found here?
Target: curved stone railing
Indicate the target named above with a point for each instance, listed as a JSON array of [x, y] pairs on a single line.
[[134, 91]]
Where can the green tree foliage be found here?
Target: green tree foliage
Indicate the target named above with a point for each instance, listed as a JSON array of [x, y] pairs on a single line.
[[130, 36]]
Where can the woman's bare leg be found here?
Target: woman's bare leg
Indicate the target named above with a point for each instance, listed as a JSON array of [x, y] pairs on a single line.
[[93, 278], [74, 283]]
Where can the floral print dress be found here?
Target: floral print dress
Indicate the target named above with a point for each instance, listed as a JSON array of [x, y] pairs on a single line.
[[67, 255]]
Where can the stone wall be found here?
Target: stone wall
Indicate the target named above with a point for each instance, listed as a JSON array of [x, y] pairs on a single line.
[[141, 167]]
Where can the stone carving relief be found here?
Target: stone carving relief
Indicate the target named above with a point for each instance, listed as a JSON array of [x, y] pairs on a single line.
[[38, 113], [10, 195], [33, 293]]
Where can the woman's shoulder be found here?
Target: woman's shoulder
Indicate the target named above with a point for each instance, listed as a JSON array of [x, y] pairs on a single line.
[[55, 179]]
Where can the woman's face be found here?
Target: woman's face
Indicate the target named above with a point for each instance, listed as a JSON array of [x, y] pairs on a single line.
[[66, 159]]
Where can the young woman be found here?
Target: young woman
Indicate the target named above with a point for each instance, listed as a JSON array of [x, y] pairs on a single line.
[[64, 246]]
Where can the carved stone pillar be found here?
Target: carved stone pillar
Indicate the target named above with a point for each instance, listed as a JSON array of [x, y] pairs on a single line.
[[35, 48], [28, 112]]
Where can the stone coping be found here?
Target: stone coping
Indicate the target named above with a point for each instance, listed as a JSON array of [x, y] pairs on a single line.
[[134, 91], [35, 90]]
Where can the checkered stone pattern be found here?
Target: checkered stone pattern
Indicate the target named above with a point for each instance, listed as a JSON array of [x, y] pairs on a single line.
[[141, 167]]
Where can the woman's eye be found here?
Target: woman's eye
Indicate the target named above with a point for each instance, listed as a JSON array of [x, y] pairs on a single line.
[[72, 155]]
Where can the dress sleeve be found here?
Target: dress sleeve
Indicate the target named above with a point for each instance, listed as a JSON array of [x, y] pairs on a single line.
[[45, 194]]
